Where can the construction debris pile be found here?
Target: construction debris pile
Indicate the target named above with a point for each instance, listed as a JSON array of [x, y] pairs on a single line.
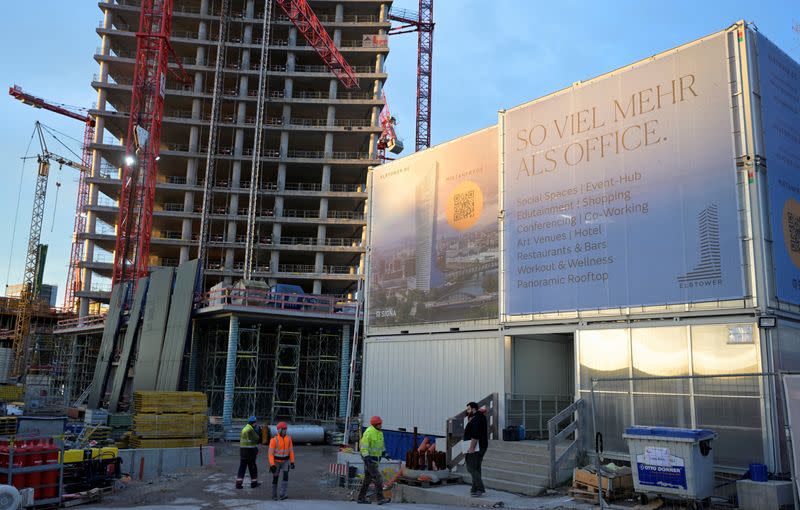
[[171, 419]]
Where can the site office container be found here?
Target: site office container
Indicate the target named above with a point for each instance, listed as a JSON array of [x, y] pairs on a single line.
[[718, 227], [698, 150]]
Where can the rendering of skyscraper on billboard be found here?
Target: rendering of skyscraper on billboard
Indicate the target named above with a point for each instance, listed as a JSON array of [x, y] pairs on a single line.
[[425, 222]]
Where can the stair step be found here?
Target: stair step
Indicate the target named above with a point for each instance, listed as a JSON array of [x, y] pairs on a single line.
[[530, 463], [523, 457], [521, 467], [515, 487], [515, 476], [524, 446]]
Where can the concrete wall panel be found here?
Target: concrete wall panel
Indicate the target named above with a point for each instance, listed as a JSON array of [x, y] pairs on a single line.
[[107, 345], [131, 334], [149, 463], [153, 325], [177, 332]]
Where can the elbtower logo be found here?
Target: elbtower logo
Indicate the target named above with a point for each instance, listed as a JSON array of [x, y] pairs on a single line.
[[708, 271]]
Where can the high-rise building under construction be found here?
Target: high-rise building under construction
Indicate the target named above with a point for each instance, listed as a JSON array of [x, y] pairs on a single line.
[[317, 142]]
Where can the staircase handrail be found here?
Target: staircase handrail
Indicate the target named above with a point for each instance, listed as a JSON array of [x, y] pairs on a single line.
[[554, 437], [455, 427]]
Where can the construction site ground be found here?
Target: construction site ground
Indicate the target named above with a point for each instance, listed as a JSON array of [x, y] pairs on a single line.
[[212, 487]]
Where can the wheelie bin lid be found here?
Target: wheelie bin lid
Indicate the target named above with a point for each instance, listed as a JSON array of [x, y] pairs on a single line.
[[670, 433]]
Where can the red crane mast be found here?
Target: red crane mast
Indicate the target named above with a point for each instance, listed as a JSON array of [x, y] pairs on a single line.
[[140, 167], [422, 23], [76, 253]]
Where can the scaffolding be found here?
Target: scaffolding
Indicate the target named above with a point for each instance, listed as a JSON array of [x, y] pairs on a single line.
[[73, 361], [285, 375], [254, 367], [318, 392], [304, 385], [247, 391]]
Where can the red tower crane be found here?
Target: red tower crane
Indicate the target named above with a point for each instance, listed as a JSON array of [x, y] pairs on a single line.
[[140, 167], [144, 126], [388, 139], [422, 23], [73, 274], [306, 21]]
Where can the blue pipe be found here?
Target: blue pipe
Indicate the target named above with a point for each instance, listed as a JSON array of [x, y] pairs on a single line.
[[344, 374], [230, 372], [192, 386]]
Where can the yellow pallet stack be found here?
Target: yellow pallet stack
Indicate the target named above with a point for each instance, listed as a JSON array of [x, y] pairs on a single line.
[[169, 419], [11, 393], [8, 425]]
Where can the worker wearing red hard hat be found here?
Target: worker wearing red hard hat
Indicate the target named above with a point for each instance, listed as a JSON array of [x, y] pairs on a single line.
[[372, 449], [281, 460]]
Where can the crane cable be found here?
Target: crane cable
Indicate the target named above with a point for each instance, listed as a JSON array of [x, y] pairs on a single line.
[[25, 158], [52, 131], [55, 202], [69, 106], [16, 213]]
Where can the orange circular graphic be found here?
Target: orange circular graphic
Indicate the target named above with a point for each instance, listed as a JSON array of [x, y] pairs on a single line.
[[791, 229], [464, 205]]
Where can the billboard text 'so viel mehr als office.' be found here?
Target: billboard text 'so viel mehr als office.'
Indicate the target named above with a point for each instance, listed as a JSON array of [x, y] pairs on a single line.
[[780, 105], [622, 192], [434, 235]]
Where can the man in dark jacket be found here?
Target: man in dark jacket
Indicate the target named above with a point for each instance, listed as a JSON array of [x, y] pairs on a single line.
[[476, 440]]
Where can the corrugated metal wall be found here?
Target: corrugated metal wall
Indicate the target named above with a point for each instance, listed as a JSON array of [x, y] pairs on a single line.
[[423, 380]]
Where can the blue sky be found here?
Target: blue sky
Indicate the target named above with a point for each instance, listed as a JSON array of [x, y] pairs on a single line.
[[485, 59]]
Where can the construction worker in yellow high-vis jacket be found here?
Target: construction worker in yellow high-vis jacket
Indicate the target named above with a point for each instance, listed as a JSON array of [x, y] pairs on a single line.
[[248, 451], [372, 449]]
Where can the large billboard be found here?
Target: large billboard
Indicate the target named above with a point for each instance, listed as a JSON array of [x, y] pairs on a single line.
[[433, 235], [622, 191], [780, 106]]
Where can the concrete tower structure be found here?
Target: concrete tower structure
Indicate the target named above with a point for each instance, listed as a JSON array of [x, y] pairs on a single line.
[[318, 141]]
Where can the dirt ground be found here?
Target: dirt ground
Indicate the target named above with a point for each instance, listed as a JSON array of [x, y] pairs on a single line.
[[212, 487]]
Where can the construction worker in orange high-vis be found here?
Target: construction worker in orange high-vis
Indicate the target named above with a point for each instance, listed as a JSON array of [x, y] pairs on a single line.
[[281, 460]]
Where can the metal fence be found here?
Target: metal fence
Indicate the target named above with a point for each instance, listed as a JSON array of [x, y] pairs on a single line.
[[534, 411], [735, 406]]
